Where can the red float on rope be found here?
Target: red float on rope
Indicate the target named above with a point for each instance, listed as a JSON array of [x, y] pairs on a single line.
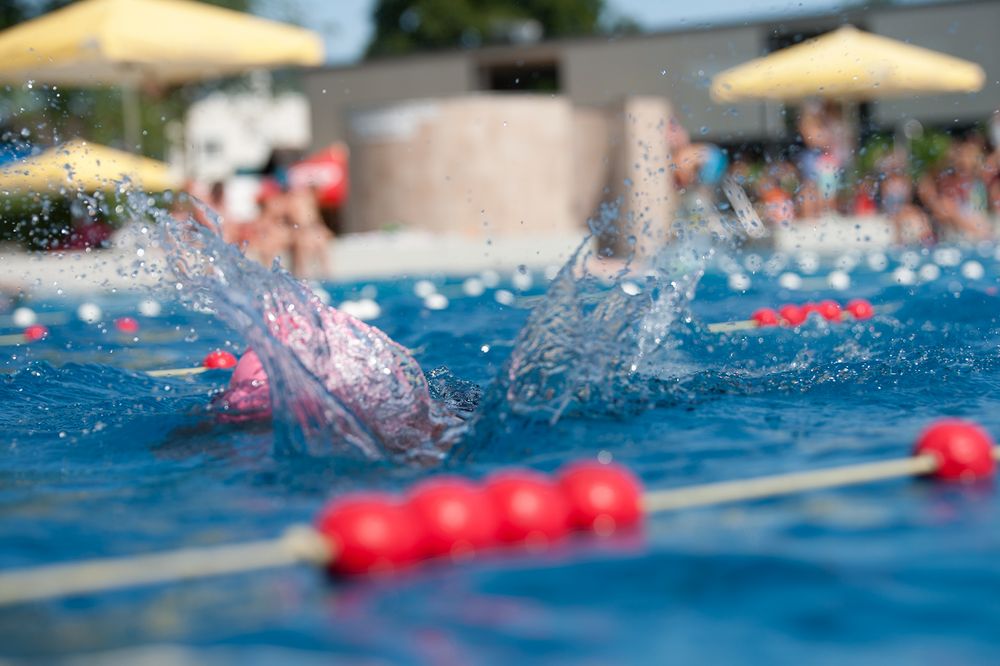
[[766, 317], [829, 310], [861, 309], [964, 450], [370, 533], [529, 507], [127, 325], [219, 360], [458, 517], [35, 332], [363, 534], [602, 498], [793, 315]]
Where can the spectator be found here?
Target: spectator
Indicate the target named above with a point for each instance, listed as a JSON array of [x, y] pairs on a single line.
[[823, 159], [896, 202], [310, 238], [956, 195], [272, 235]]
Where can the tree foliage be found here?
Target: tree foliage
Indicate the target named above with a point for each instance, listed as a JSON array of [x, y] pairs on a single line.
[[405, 26]]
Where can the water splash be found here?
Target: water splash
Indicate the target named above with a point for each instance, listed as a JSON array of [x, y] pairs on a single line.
[[337, 385], [593, 347]]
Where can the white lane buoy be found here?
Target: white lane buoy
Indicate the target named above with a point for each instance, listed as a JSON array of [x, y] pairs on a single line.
[[910, 259], [929, 272], [24, 317], [322, 294], [808, 262], [436, 301], [904, 276], [503, 297], [973, 270], [776, 263], [846, 262], [877, 261], [630, 288], [839, 280], [753, 262], [473, 287], [947, 256], [363, 309], [727, 264], [791, 281], [351, 308], [522, 281], [89, 312], [490, 278], [369, 309], [149, 307], [738, 282], [424, 288]]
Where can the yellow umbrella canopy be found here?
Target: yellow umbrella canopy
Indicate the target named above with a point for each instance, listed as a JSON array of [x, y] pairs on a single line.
[[87, 167], [129, 42], [847, 64]]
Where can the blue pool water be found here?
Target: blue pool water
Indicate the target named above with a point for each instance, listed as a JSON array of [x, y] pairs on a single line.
[[99, 459]]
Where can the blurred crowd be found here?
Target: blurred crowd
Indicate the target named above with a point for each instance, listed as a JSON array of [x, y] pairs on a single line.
[[286, 221], [954, 198]]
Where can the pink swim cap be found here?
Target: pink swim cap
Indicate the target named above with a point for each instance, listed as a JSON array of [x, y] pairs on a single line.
[[248, 370]]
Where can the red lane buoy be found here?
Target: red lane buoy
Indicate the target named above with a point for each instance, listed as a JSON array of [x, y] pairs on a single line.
[[127, 325], [35, 332], [602, 498], [765, 317], [809, 308], [793, 315], [456, 516], [529, 508], [370, 533], [963, 449], [860, 309], [219, 360], [829, 310]]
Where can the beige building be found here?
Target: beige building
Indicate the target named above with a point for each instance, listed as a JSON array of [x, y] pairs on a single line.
[[440, 141]]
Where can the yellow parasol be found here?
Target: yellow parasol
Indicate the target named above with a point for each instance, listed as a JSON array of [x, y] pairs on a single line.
[[847, 64], [84, 167], [133, 43]]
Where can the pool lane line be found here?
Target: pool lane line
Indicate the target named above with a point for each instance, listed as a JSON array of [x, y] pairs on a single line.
[[14, 339], [217, 359], [176, 372], [362, 536], [298, 544], [49, 318], [858, 309]]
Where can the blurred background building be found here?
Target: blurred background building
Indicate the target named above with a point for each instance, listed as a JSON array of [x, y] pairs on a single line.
[[677, 64]]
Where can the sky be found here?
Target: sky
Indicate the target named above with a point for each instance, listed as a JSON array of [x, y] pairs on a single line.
[[346, 25]]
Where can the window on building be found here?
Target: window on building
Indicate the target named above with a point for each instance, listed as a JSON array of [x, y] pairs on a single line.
[[521, 76]]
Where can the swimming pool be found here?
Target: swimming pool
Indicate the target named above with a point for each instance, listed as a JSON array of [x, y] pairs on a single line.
[[100, 460]]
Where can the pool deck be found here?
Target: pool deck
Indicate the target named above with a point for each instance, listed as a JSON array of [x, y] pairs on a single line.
[[354, 257]]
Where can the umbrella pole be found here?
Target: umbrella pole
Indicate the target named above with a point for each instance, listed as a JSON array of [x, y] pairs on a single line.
[[130, 118]]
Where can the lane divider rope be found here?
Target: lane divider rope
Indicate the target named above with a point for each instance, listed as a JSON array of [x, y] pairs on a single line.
[[444, 518]]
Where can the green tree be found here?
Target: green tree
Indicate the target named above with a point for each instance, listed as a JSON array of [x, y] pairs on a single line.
[[406, 26]]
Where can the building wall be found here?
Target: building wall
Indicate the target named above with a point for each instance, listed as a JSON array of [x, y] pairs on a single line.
[[601, 72], [481, 165], [967, 31], [337, 93]]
